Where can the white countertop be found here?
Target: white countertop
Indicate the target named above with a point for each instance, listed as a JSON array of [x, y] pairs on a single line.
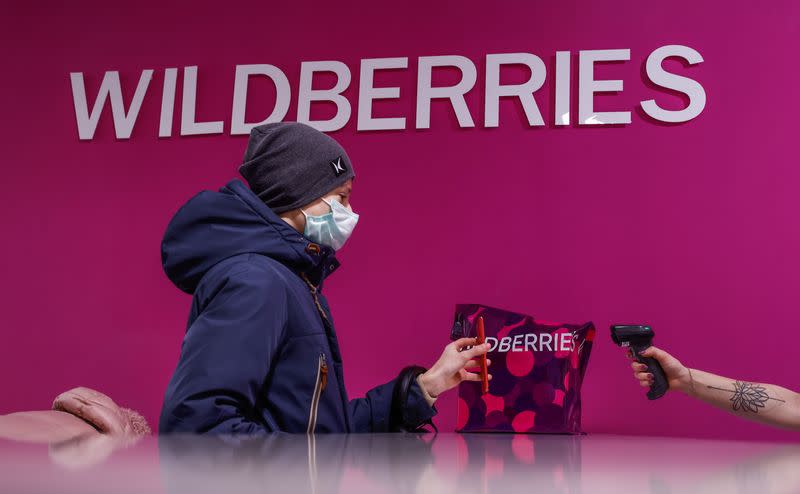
[[394, 463]]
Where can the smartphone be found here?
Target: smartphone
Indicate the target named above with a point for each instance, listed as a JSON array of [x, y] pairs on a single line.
[[484, 365]]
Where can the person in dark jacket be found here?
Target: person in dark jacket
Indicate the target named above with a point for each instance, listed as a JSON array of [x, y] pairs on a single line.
[[260, 353]]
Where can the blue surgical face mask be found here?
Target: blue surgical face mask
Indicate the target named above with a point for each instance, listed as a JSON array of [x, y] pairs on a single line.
[[332, 229]]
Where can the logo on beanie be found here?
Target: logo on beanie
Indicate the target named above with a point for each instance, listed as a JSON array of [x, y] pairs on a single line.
[[338, 167]]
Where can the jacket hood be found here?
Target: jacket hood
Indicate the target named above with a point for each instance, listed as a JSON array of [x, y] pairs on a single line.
[[213, 226]]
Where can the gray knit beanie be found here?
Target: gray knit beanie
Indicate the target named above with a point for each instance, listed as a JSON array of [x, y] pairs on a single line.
[[290, 164]]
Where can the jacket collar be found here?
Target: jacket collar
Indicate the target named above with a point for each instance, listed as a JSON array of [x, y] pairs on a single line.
[[316, 261]]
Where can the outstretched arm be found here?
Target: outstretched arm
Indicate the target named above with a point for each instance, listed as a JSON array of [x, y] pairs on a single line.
[[765, 403], [372, 414]]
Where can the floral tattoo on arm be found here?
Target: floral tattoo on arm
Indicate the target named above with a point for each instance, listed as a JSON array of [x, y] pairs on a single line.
[[748, 397]]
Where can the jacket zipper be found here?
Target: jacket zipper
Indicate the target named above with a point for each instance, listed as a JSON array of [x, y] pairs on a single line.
[[323, 373], [314, 292], [319, 387]]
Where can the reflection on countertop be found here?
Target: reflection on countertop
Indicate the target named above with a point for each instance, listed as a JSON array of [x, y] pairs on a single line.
[[401, 463]]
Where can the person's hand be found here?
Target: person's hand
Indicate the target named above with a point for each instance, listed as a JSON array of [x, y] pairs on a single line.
[[95, 408], [451, 368], [678, 375]]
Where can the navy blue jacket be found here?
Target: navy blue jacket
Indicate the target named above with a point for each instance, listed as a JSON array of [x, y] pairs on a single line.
[[260, 352]]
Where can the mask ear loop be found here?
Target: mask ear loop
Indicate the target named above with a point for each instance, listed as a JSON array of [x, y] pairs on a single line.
[[347, 208], [329, 204], [306, 214], [305, 217], [323, 200]]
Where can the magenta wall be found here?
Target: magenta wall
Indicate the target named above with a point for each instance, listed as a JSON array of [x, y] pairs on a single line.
[[692, 228]]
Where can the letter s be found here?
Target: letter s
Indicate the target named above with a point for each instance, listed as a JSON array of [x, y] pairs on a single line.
[[689, 87]]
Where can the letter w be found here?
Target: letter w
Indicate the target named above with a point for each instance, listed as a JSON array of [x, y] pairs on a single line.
[[123, 120]]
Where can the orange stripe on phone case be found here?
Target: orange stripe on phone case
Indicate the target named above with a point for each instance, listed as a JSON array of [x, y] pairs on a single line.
[[484, 366]]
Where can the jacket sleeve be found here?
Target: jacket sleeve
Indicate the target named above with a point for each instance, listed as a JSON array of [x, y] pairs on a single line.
[[382, 411], [226, 356]]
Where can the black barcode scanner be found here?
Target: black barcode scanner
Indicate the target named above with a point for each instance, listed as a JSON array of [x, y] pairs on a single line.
[[638, 339]]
